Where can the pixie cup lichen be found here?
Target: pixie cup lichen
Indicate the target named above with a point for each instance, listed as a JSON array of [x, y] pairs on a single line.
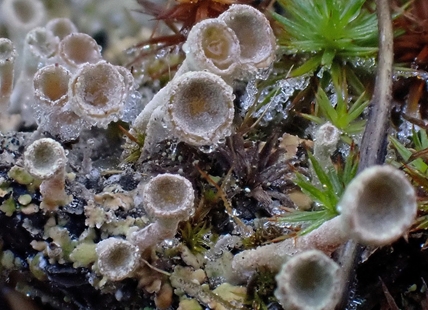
[[197, 108], [45, 159], [117, 258], [97, 93], [211, 45], [378, 207], [77, 49], [168, 199], [308, 281], [7, 61], [255, 36]]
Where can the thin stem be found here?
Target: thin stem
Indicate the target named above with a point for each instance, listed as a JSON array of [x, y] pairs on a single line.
[[373, 145]]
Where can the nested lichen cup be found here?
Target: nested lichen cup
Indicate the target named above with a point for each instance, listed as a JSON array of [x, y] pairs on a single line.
[[255, 35], [51, 87], [211, 45]]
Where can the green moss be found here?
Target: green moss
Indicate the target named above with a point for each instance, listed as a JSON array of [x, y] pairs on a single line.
[[196, 237], [260, 290], [325, 30]]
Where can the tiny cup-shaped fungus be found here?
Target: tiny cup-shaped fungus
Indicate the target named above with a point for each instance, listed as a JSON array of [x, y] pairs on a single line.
[[254, 33], [200, 108], [309, 281], [7, 60], [61, 27], [117, 258], [51, 95], [40, 46], [45, 159], [77, 49], [168, 199], [97, 93], [378, 206], [326, 138], [211, 45], [51, 87], [20, 16]]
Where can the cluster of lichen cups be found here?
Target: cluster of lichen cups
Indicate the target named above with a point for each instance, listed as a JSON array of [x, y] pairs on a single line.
[[196, 106], [76, 89]]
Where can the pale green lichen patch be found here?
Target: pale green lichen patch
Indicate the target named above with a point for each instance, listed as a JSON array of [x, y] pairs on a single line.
[[8, 206], [83, 255], [4, 192], [61, 237], [20, 175], [7, 260], [24, 199], [34, 266], [189, 304]]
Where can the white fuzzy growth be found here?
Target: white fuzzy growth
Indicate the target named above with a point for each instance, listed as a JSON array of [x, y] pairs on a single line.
[[117, 258], [7, 61], [309, 281], [326, 138]]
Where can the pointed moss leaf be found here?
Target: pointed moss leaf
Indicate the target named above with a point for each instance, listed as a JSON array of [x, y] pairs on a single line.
[[356, 127], [357, 107], [338, 27], [355, 82], [321, 175], [313, 118], [326, 106], [302, 216], [401, 149], [311, 190], [309, 66], [327, 57]]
